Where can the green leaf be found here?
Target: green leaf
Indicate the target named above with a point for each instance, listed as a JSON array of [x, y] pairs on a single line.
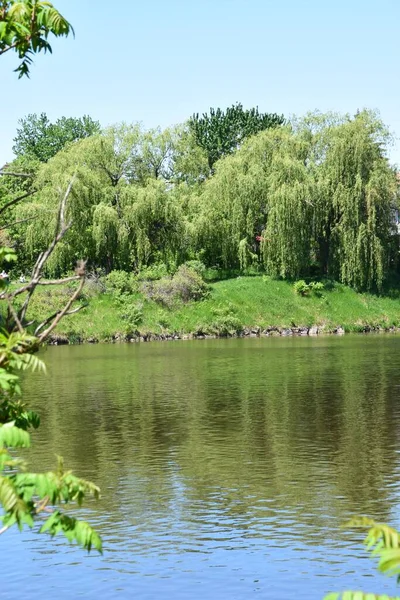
[[389, 562], [7, 255], [13, 436], [74, 530]]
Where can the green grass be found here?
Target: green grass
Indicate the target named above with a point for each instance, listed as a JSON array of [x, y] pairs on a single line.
[[232, 304]]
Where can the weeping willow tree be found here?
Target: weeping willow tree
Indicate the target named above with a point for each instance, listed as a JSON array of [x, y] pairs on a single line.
[[155, 223], [123, 215], [287, 237], [317, 196], [92, 186], [357, 194], [232, 206], [261, 194], [172, 155]]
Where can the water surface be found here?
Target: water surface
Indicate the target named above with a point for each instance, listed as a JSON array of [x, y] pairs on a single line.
[[226, 467]]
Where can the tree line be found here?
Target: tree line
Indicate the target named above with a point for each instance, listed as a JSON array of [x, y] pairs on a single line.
[[236, 189]]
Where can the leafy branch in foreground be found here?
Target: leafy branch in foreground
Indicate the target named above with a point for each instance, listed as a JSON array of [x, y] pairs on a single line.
[[382, 542], [26, 498], [25, 26]]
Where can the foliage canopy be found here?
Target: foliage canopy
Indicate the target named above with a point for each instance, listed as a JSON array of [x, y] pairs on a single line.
[[221, 132], [315, 197], [40, 139]]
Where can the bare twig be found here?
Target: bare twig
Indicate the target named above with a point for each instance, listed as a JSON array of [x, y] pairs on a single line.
[[60, 231], [42, 505], [59, 281], [32, 284], [62, 312], [10, 47], [44, 329], [53, 316], [15, 316]]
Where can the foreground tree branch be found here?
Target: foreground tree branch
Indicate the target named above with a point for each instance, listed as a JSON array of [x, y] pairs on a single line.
[[43, 336], [56, 314], [24, 27], [16, 319], [60, 230]]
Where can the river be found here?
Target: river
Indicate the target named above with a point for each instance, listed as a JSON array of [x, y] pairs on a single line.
[[226, 467]]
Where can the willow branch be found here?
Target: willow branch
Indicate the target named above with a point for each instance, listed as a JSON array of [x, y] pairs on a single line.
[[12, 174], [17, 222], [16, 200]]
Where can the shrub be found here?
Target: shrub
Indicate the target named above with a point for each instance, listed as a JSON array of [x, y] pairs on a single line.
[[152, 273], [196, 265], [93, 285], [226, 325], [130, 312], [212, 274], [185, 286], [317, 287], [118, 281], [304, 289], [225, 322], [301, 288], [189, 285], [163, 322]]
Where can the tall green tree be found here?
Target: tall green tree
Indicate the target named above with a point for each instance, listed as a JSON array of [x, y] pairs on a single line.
[[37, 137], [132, 217], [221, 132], [318, 196], [241, 201], [356, 195], [25, 26]]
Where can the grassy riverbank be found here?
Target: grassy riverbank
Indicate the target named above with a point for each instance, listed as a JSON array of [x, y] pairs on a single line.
[[232, 306]]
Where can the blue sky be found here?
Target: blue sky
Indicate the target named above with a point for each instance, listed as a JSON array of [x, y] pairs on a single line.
[[158, 61]]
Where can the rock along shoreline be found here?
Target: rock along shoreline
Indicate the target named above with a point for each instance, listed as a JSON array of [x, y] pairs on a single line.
[[246, 332]]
